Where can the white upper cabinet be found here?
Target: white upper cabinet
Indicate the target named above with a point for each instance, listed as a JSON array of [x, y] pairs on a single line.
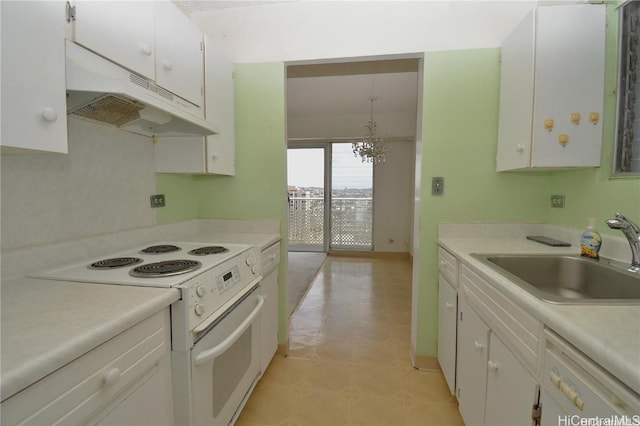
[[34, 112], [151, 38], [552, 89], [213, 154], [179, 53], [120, 31]]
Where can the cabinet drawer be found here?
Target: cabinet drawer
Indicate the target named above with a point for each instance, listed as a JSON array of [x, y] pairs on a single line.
[[520, 331], [448, 265], [270, 258], [78, 390]]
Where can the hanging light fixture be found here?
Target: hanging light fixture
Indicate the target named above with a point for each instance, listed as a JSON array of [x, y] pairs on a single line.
[[371, 148]]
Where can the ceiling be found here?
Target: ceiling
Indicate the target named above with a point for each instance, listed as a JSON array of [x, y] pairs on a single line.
[[340, 87], [346, 88]]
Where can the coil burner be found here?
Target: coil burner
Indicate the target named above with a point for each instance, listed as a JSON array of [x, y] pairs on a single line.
[[115, 262], [161, 248], [165, 268], [204, 251]]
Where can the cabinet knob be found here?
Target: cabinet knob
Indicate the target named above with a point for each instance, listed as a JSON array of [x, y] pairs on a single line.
[[493, 366], [448, 305], [49, 114], [111, 376], [478, 346], [167, 65], [520, 148], [144, 48], [215, 156]]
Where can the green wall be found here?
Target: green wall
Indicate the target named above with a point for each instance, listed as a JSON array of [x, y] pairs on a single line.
[[592, 192], [459, 134], [180, 195], [258, 190]]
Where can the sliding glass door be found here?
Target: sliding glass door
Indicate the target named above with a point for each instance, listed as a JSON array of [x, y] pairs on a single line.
[[306, 195], [328, 174], [351, 200]]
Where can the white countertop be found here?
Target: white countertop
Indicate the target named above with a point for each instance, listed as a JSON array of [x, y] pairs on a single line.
[[609, 335], [47, 324], [261, 241]]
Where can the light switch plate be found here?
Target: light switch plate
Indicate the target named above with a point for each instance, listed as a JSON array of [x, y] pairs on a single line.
[[437, 185]]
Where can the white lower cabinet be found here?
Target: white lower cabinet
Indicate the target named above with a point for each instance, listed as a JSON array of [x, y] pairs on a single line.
[[270, 259], [511, 391], [473, 355], [447, 326], [493, 386], [126, 380]]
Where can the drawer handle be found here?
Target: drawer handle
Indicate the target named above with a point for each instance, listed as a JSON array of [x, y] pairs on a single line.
[[111, 376], [493, 366], [478, 346]]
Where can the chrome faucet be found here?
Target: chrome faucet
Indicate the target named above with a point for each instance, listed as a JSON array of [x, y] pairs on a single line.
[[632, 232]]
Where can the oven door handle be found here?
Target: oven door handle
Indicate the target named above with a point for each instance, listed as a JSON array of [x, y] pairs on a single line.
[[214, 352]]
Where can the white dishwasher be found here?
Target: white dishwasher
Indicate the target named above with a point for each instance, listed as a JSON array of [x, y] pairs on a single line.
[[575, 389]]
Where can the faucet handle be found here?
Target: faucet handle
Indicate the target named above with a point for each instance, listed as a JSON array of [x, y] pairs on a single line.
[[633, 226]]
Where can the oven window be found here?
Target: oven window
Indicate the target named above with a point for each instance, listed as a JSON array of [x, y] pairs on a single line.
[[228, 369]]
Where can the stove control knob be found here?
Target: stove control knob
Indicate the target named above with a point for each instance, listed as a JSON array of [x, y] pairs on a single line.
[[201, 290], [249, 261], [199, 309], [254, 270]]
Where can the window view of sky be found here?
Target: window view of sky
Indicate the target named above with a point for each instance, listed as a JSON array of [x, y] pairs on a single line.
[[305, 168]]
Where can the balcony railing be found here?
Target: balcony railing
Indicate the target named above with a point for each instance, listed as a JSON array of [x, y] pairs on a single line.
[[351, 222]]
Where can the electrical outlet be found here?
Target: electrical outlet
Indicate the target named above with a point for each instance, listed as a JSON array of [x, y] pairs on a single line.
[[157, 200], [557, 201], [437, 185]]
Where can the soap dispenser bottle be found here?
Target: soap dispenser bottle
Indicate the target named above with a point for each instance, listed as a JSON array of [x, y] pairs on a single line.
[[590, 241]]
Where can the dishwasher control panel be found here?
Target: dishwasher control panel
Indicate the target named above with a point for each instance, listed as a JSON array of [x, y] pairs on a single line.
[[581, 387]]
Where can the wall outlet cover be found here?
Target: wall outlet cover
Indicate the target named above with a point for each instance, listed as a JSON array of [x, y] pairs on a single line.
[[157, 200], [557, 201]]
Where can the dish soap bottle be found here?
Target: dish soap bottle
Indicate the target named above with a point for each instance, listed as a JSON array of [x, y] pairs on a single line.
[[590, 241]]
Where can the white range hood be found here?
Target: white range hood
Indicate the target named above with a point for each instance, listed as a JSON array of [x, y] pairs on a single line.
[[100, 90]]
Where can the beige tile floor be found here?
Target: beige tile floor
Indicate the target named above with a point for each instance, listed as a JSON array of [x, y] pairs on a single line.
[[349, 358]]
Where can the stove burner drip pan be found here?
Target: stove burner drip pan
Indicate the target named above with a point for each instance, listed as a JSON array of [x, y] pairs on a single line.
[[204, 251], [165, 268], [161, 248], [115, 262]]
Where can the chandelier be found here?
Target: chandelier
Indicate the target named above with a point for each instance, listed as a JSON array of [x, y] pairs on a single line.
[[371, 148]]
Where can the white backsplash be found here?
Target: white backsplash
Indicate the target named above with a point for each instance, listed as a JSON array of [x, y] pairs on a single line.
[[103, 185]]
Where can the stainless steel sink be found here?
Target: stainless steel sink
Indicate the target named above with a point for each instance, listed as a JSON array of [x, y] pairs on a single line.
[[568, 279]]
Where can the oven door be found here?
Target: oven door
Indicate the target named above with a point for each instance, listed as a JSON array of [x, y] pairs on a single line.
[[225, 363]]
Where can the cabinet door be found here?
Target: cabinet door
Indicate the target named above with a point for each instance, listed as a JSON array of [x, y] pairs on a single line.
[[473, 349], [516, 97], [447, 326], [34, 111], [511, 391], [569, 78], [219, 84], [179, 60], [123, 32]]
